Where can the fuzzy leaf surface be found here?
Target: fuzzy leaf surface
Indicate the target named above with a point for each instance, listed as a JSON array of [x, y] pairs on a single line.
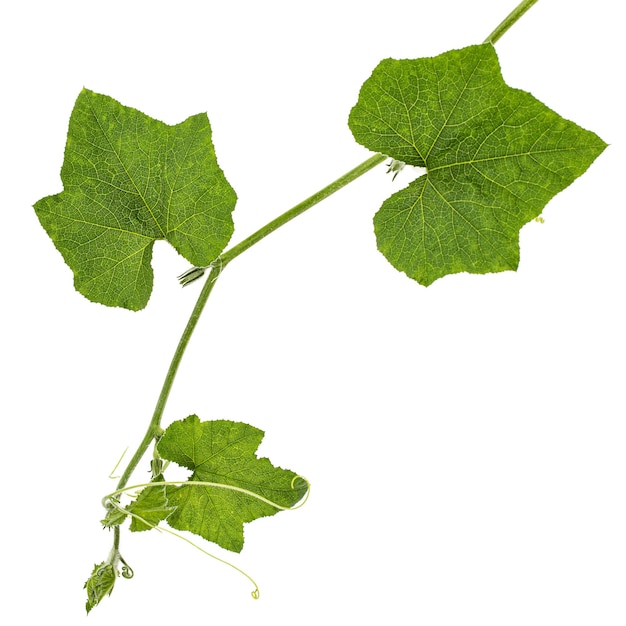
[[224, 452], [129, 180], [494, 156], [100, 584]]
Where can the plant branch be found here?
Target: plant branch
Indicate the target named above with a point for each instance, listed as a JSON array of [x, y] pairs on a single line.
[[509, 20], [154, 429], [341, 182]]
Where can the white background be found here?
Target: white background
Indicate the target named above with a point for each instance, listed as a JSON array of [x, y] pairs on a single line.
[[465, 442]]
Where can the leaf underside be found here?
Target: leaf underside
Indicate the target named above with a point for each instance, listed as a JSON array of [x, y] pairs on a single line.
[[494, 156], [129, 180], [223, 452]]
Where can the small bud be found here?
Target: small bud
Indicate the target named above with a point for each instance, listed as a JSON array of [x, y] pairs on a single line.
[[100, 584], [190, 275], [395, 166], [156, 467]]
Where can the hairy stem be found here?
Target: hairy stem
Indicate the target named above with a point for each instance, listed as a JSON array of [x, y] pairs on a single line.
[[509, 20], [344, 180], [154, 429]]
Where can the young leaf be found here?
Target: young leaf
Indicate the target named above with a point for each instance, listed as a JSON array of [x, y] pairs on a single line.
[[152, 505], [494, 157], [129, 180], [100, 584], [114, 517], [223, 452]]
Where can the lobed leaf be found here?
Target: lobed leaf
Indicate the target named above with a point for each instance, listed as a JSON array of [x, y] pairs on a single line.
[[129, 180], [494, 156], [223, 452]]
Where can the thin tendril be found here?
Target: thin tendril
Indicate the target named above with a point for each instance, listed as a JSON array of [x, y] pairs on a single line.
[[127, 570], [117, 465], [110, 498]]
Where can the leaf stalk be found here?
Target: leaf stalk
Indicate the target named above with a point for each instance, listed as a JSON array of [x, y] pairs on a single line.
[[509, 20]]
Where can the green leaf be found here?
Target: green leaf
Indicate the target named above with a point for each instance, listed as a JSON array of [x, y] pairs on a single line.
[[151, 505], [494, 156], [100, 584], [114, 517], [129, 180], [223, 452]]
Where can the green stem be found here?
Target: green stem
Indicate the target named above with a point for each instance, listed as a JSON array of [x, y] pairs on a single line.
[[344, 180], [154, 429], [509, 20]]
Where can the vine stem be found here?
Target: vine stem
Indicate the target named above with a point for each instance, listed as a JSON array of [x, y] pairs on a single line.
[[154, 429], [215, 270], [509, 20], [344, 180]]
